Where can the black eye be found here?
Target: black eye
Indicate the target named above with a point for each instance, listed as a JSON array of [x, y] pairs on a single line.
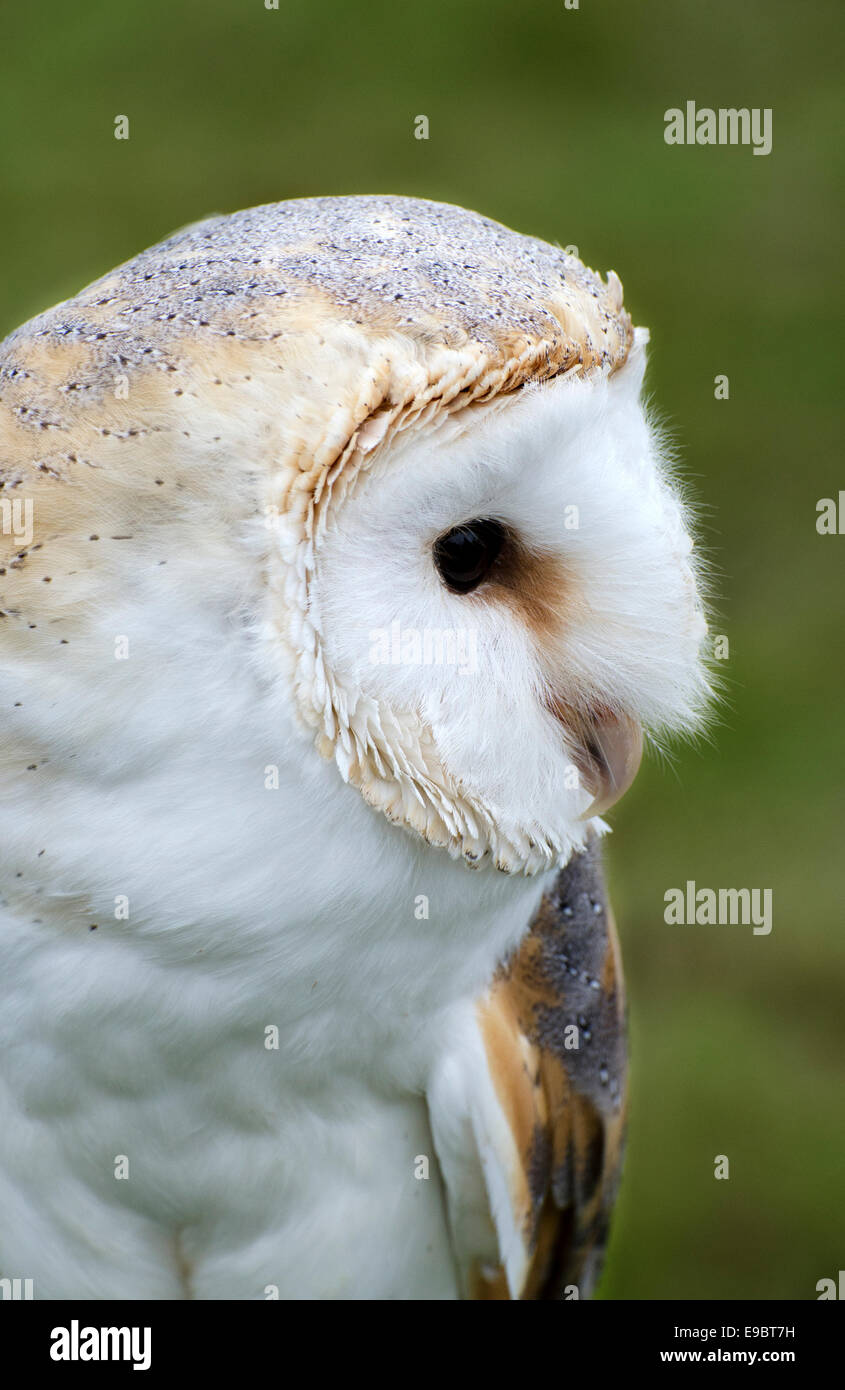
[[466, 555]]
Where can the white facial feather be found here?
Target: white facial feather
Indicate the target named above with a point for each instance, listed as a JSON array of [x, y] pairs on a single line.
[[574, 470]]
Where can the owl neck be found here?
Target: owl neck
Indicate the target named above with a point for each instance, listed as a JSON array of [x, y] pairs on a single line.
[[234, 880]]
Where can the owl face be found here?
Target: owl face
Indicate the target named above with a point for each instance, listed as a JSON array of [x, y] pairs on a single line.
[[505, 601], [400, 446]]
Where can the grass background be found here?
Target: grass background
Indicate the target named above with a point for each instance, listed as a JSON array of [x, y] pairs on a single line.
[[551, 120]]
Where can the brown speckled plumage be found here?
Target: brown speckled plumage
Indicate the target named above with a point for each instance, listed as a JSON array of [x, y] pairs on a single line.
[[438, 274], [566, 1106]]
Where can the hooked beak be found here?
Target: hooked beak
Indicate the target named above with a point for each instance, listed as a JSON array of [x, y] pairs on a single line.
[[606, 748], [612, 751]]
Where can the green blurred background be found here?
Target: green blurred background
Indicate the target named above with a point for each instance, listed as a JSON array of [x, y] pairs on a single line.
[[551, 120]]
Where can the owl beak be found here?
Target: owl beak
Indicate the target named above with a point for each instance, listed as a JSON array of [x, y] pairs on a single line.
[[609, 757]]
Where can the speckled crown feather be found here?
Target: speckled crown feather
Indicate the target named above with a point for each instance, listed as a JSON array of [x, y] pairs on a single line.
[[294, 339]]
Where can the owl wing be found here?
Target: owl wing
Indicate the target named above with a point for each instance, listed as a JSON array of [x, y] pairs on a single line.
[[528, 1109]]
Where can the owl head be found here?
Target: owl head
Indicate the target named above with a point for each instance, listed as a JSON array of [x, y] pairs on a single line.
[[475, 579]]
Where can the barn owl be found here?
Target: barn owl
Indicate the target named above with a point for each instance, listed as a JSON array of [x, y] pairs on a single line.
[[342, 572]]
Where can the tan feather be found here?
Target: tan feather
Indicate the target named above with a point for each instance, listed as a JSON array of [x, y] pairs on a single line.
[[565, 1105]]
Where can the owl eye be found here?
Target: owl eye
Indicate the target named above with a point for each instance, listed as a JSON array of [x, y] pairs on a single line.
[[466, 555]]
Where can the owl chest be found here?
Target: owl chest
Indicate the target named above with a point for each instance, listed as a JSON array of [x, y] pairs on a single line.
[[178, 1147]]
